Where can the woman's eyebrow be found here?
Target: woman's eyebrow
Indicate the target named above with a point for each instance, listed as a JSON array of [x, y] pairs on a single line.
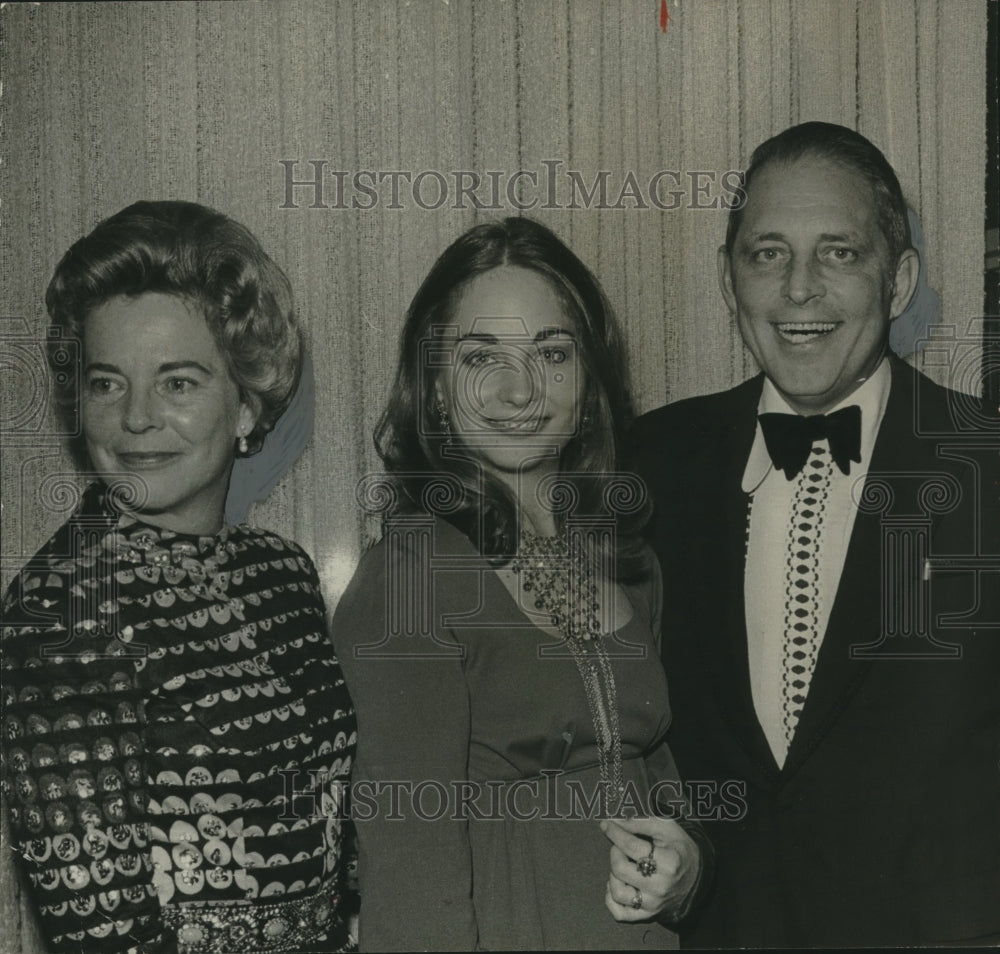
[[554, 332], [165, 368], [480, 336], [169, 366]]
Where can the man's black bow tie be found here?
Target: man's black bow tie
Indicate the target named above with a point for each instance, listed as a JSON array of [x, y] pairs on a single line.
[[790, 437]]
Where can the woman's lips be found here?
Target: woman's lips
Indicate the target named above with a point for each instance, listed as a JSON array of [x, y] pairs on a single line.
[[146, 460], [518, 425]]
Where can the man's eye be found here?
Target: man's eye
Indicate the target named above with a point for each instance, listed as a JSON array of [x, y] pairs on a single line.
[[842, 254], [765, 255]]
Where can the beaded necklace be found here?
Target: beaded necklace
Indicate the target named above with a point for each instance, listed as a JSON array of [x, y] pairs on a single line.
[[558, 578]]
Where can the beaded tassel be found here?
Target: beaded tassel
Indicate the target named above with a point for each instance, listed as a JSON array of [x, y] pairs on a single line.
[[558, 579]]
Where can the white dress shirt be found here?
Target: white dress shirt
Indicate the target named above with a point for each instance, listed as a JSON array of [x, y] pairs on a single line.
[[767, 546]]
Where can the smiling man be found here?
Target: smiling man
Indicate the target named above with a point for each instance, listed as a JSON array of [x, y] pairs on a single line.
[[829, 534]]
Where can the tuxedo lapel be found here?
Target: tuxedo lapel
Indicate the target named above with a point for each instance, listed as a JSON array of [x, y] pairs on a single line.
[[857, 611], [724, 645]]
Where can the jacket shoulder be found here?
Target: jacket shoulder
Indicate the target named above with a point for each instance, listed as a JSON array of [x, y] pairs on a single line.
[[947, 408], [924, 414], [694, 421]]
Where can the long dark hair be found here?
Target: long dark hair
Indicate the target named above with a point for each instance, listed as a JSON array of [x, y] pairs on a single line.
[[414, 445]]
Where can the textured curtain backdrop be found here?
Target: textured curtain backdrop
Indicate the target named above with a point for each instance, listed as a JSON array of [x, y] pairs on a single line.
[[107, 103]]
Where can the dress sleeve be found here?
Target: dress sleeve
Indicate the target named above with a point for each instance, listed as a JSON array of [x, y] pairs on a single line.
[[74, 769], [345, 726], [405, 673]]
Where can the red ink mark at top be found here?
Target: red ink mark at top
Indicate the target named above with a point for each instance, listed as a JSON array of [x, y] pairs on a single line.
[[664, 16]]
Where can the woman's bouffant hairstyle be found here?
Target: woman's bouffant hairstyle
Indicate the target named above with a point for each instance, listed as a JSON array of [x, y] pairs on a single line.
[[415, 445], [201, 256]]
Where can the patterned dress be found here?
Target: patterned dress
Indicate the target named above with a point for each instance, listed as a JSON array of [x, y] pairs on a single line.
[[177, 739]]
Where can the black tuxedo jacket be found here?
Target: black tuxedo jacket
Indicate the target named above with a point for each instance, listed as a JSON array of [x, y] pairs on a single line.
[[883, 826]]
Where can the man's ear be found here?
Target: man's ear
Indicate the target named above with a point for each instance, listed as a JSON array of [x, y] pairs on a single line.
[[726, 279], [904, 283]]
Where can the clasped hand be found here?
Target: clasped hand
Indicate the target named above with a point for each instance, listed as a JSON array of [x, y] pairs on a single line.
[[654, 867]]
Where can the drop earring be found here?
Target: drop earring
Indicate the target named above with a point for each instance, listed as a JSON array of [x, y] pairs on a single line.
[[242, 444], [444, 422]]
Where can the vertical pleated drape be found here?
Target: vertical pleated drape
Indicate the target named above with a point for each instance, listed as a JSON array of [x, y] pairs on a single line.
[[566, 111]]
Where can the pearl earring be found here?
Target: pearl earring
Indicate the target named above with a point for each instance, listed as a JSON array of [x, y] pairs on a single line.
[[243, 446]]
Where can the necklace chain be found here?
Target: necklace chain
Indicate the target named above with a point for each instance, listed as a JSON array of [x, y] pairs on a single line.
[[557, 575]]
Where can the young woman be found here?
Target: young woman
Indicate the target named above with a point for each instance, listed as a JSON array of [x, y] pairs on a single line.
[[500, 642]]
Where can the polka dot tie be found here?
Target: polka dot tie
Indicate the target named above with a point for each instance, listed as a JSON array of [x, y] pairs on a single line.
[[802, 589]]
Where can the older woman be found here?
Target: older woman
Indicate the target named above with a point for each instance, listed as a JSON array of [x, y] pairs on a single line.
[[500, 641], [176, 730]]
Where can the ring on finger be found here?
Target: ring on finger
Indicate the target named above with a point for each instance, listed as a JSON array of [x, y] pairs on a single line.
[[636, 902], [647, 865]]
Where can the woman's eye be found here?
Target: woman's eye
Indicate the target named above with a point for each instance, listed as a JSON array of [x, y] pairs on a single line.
[[476, 359], [180, 385], [103, 387], [555, 355]]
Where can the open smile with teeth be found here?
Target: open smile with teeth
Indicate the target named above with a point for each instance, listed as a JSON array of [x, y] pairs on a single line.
[[530, 425], [802, 332]]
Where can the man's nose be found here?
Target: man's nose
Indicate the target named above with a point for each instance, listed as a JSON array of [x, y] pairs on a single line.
[[802, 280]]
